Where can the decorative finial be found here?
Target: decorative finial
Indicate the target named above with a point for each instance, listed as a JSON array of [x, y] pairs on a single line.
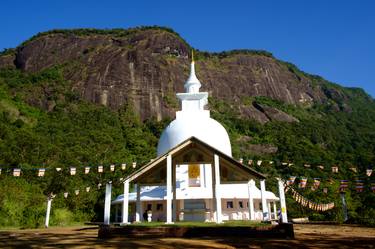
[[192, 55]]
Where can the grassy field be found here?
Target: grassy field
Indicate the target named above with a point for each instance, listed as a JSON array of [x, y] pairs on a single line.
[[306, 236]]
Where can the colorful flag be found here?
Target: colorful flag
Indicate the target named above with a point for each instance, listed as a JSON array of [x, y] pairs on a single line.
[[291, 180], [359, 186], [73, 171], [41, 172], [87, 170], [344, 185], [316, 183], [302, 182], [16, 172]]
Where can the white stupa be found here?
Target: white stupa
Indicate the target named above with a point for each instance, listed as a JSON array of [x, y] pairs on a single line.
[[194, 120]]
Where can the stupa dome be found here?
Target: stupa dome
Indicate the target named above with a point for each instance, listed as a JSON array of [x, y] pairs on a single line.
[[193, 120], [206, 129]]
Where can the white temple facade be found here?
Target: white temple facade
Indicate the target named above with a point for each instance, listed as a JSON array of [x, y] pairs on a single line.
[[194, 177]]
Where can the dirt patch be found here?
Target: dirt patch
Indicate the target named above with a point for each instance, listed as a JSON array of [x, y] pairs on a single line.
[[306, 236]]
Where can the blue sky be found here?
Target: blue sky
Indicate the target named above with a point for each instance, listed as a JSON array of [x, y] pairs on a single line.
[[334, 39]]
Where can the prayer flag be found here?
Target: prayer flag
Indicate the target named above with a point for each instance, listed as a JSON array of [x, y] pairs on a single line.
[[134, 164], [100, 169], [16, 172], [123, 166], [291, 180], [316, 183], [307, 165], [58, 169], [76, 192], [359, 186], [354, 169], [112, 167], [259, 162], [41, 172], [73, 171], [344, 185], [87, 189], [335, 169], [66, 195], [320, 166], [250, 162], [87, 170], [368, 172], [302, 182]]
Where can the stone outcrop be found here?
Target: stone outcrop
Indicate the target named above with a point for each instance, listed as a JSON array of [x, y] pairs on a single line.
[[149, 66]]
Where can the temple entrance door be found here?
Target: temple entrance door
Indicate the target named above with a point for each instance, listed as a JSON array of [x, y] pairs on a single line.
[[194, 210]]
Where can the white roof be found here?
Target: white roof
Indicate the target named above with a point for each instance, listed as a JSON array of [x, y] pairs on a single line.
[[228, 191]]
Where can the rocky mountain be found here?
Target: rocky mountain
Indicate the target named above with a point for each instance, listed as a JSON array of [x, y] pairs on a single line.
[[147, 66], [87, 97]]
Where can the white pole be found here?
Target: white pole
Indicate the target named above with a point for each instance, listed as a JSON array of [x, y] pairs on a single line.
[[264, 201], [138, 214], [250, 185], [284, 216], [219, 218], [169, 190], [49, 202], [107, 203], [125, 203]]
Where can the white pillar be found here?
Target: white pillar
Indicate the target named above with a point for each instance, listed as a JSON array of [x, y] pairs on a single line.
[[125, 203], [219, 218], [169, 190], [49, 202], [138, 214], [107, 203], [274, 210], [264, 201], [250, 185], [284, 217]]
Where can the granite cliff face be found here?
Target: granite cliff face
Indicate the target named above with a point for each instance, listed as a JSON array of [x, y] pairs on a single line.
[[147, 67]]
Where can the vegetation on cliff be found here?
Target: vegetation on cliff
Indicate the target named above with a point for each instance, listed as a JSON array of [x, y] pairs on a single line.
[[45, 123]]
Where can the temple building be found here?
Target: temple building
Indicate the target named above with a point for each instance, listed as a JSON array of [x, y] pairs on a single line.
[[194, 177]]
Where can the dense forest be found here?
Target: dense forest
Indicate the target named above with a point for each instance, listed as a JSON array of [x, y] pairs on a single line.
[[77, 133]]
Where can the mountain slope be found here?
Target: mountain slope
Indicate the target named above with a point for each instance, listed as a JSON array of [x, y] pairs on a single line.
[[89, 97]]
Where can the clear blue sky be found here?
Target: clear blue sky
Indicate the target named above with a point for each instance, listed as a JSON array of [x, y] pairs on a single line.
[[334, 39]]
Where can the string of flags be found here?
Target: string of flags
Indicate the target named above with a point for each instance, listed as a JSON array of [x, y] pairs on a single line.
[[41, 172], [310, 204], [344, 184]]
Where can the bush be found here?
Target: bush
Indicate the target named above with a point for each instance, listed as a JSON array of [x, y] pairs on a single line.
[[61, 217]]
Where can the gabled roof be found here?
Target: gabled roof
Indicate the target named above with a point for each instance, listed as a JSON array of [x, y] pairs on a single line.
[[184, 144]]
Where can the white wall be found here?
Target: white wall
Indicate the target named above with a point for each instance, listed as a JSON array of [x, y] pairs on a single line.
[[183, 191]]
